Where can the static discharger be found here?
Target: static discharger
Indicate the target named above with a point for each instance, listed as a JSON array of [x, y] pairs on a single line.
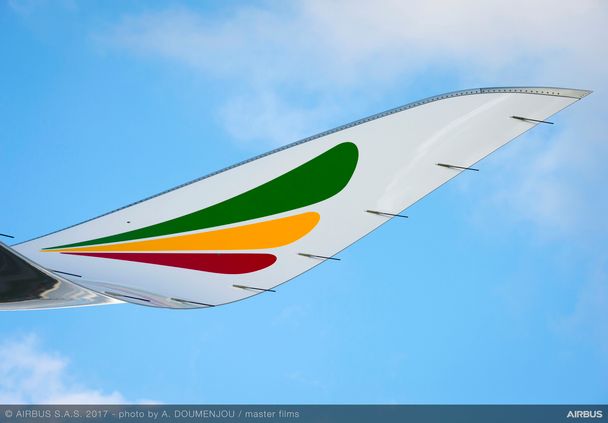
[[65, 273], [191, 302], [314, 256], [116, 294], [449, 166], [7, 235], [254, 288], [379, 213], [525, 119]]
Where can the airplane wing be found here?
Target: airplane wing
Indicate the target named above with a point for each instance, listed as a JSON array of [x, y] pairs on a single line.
[[248, 228]]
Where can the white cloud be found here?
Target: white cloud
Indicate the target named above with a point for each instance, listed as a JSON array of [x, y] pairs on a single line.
[[30, 375], [323, 43], [556, 183], [267, 119]]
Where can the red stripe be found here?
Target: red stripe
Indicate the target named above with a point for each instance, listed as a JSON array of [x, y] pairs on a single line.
[[232, 264]]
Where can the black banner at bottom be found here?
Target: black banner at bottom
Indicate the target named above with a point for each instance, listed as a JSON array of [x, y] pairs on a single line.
[[304, 413]]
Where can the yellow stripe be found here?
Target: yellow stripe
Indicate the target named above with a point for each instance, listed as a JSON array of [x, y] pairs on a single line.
[[256, 236]]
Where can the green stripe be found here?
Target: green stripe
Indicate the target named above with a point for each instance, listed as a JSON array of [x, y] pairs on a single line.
[[314, 181]]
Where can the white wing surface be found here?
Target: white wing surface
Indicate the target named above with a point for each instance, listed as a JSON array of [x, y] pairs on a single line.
[[248, 228]]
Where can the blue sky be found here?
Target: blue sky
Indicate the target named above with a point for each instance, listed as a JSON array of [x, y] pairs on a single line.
[[494, 291]]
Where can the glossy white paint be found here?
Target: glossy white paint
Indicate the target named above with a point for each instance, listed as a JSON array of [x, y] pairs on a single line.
[[398, 153]]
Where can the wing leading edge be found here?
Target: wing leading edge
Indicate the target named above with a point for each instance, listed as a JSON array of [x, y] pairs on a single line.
[[248, 228]]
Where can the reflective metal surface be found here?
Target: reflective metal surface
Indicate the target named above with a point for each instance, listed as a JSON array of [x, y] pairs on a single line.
[[25, 285]]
